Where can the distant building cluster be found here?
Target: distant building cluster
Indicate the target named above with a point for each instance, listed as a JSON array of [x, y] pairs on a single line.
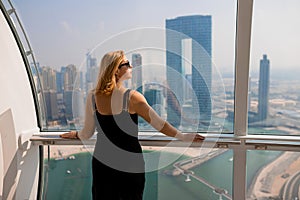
[[64, 92]]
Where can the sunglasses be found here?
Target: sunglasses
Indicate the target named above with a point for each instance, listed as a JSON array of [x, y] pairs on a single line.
[[127, 64]]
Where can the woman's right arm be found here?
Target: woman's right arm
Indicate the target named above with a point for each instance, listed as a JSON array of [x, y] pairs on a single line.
[[142, 108]]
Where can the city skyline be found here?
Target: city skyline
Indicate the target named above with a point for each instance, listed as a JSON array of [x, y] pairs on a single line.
[[64, 38], [154, 51]]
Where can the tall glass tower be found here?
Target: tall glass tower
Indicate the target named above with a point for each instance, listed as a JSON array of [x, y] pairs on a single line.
[[137, 82], [92, 71], [198, 29], [263, 90]]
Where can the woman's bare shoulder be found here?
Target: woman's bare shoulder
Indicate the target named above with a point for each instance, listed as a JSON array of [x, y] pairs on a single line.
[[137, 97], [138, 103]]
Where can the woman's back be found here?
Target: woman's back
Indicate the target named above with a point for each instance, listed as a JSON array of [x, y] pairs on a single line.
[[116, 123], [112, 104], [117, 138]]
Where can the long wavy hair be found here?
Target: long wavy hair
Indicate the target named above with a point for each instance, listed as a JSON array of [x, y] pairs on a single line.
[[108, 68]]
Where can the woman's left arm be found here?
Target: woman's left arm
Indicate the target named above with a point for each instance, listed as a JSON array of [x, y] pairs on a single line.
[[89, 122]]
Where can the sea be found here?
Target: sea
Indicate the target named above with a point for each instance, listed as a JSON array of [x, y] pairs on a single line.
[[70, 178]]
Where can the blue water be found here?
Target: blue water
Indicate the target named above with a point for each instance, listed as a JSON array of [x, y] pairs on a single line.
[[71, 179]]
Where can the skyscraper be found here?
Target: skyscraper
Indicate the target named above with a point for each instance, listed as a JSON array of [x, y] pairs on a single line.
[[70, 76], [51, 104], [263, 88], [153, 94], [72, 97], [137, 82], [60, 79], [92, 71], [48, 78], [197, 28]]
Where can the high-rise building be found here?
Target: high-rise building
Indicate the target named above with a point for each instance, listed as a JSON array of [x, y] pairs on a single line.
[[92, 71], [70, 76], [68, 99], [198, 28], [90, 60], [73, 95], [263, 88], [60, 80], [51, 105], [48, 78], [154, 98], [137, 81]]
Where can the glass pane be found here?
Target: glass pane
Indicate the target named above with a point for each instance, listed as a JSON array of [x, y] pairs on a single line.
[[67, 172], [183, 57], [205, 180], [171, 173], [273, 175], [274, 82]]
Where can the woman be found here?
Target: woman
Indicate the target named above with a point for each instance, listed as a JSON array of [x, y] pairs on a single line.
[[118, 165]]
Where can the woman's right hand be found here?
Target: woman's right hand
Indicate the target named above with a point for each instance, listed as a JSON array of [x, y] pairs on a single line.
[[191, 137], [70, 135]]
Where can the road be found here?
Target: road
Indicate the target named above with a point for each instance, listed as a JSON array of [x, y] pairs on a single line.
[[291, 189], [183, 167]]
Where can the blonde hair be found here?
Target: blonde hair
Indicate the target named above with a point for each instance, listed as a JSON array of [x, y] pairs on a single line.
[[108, 67]]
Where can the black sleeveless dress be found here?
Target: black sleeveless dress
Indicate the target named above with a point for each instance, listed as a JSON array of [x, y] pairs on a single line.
[[118, 163]]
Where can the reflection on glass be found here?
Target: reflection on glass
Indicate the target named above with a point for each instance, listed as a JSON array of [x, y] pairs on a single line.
[[275, 175]]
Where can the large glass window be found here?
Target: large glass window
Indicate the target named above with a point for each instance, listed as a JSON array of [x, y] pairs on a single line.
[[183, 57], [67, 172], [274, 96], [183, 63]]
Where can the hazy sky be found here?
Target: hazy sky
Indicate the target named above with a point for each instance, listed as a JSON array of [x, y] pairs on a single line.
[[62, 31]]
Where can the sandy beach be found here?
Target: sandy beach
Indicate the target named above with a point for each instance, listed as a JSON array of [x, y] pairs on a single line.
[[60, 152], [273, 176]]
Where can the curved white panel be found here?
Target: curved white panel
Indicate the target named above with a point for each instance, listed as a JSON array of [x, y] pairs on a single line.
[[1, 168], [17, 115]]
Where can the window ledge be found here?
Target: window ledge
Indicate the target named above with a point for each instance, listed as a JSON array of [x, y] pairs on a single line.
[[251, 142]]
